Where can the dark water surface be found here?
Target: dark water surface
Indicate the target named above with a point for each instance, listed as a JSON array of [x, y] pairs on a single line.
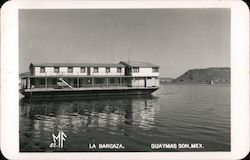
[[186, 113]]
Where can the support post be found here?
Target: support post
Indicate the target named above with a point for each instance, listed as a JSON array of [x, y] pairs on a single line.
[[28, 83], [77, 82], [107, 82], [46, 83], [93, 83]]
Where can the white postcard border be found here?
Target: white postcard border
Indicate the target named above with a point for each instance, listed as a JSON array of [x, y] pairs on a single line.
[[239, 78]]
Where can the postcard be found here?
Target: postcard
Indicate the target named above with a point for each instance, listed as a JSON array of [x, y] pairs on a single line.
[[125, 80]]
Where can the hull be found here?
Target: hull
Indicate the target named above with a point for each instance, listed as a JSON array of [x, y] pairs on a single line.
[[87, 93]]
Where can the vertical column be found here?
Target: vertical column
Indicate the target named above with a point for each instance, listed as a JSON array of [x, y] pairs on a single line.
[[107, 81], [134, 82], [28, 83], [77, 82], [93, 83], [46, 83]]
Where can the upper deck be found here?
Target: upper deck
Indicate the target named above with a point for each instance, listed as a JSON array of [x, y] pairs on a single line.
[[122, 69], [84, 69]]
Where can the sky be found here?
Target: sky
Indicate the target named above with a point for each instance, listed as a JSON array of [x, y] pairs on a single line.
[[175, 39]]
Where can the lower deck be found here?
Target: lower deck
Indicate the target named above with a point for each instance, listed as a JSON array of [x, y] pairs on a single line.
[[87, 82], [57, 86], [97, 91]]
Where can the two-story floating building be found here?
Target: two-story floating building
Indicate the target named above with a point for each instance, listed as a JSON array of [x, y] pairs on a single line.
[[73, 79]]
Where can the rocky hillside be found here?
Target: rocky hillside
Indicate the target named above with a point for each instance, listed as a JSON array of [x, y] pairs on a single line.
[[218, 75]]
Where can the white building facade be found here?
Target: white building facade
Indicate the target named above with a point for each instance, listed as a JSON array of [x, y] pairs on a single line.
[[143, 74], [123, 74], [77, 70]]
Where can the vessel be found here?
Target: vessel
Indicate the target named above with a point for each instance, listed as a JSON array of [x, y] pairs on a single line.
[[89, 79]]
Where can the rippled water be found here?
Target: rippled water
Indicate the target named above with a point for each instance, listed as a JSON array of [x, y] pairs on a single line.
[[186, 113]]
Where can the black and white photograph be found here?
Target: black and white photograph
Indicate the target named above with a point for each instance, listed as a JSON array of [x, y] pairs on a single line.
[[124, 80], [127, 80]]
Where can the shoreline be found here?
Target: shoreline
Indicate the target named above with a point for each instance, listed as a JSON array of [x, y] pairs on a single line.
[[206, 83]]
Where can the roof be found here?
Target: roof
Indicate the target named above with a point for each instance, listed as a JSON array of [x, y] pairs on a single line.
[[78, 65], [138, 64]]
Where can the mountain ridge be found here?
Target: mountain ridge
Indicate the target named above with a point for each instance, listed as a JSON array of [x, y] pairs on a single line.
[[215, 74]]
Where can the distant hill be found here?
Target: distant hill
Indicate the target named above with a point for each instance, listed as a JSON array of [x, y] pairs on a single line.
[[218, 75]]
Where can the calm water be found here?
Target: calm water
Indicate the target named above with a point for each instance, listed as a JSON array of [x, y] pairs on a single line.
[[174, 114]]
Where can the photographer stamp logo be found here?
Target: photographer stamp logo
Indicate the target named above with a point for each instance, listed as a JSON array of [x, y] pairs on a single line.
[[58, 140]]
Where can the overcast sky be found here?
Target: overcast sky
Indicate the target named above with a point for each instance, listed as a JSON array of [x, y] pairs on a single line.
[[175, 39]]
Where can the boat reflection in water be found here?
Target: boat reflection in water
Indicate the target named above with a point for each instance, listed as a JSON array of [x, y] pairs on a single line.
[[188, 114], [86, 120]]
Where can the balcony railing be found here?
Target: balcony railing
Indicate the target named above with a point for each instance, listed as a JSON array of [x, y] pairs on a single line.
[[76, 86], [78, 74]]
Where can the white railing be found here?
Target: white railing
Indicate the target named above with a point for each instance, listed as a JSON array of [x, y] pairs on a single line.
[[78, 74], [75, 86]]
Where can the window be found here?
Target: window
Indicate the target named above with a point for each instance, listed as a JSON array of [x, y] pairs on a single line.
[[99, 81], [56, 69], [70, 69], [155, 69], [112, 80], [83, 70], [41, 82], [95, 69], [42, 70], [107, 69], [135, 69], [119, 70], [89, 81]]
